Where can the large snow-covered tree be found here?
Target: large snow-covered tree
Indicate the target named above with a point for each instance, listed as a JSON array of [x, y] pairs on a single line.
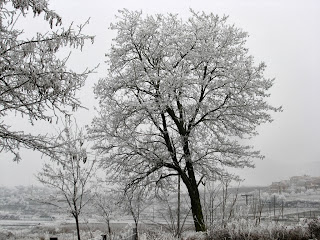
[[179, 97], [34, 82]]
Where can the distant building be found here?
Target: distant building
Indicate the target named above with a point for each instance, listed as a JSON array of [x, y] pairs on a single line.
[[296, 183], [313, 183], [279, 187]]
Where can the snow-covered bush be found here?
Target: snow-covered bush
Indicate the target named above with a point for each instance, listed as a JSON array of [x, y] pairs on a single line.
[[191, 235], [156, 235], [314, 228]]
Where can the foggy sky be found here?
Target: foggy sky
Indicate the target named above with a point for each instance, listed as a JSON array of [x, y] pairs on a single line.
[[283, 34]]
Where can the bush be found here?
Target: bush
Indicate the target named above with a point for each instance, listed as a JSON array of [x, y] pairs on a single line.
[[220, 234], [5, 235], [314, 228], [296, 233], [261, 233], [152, 234]]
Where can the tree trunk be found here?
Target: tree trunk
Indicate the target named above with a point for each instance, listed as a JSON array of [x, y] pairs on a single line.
[[192, 186], [135, 232], [109, 228], [196, 208], [78, 228]]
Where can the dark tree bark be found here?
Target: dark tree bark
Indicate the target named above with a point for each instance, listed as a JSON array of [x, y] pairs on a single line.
[[78, 227], [196, 208]]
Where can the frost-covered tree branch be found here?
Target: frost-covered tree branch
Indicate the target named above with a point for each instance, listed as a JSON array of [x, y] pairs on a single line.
[[34, 82]]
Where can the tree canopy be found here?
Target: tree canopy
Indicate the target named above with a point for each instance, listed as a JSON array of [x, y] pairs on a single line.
[[178, 98], [34, 82]]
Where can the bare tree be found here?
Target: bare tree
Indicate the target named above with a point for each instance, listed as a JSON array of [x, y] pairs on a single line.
[[70, 173], [228, 202], [211, 193], [133, 201], [34, 82], [178, 97], [261, 204], [105, 203], [221, 199], [175, 214]]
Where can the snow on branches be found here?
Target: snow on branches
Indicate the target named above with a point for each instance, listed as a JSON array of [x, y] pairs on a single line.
[[178, 97], [34, 82]]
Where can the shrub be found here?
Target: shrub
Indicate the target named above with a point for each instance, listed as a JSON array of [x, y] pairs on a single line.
[[220, 234], [152, 234], [263, 233], [314, 228]]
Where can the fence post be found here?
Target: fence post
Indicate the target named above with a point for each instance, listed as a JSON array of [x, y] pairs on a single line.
[[104, 236]]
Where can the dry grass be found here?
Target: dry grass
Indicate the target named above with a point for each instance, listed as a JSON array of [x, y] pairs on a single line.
[[240, 231]]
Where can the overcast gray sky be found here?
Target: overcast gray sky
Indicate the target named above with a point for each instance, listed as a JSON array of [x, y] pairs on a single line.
[[284, 34]]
